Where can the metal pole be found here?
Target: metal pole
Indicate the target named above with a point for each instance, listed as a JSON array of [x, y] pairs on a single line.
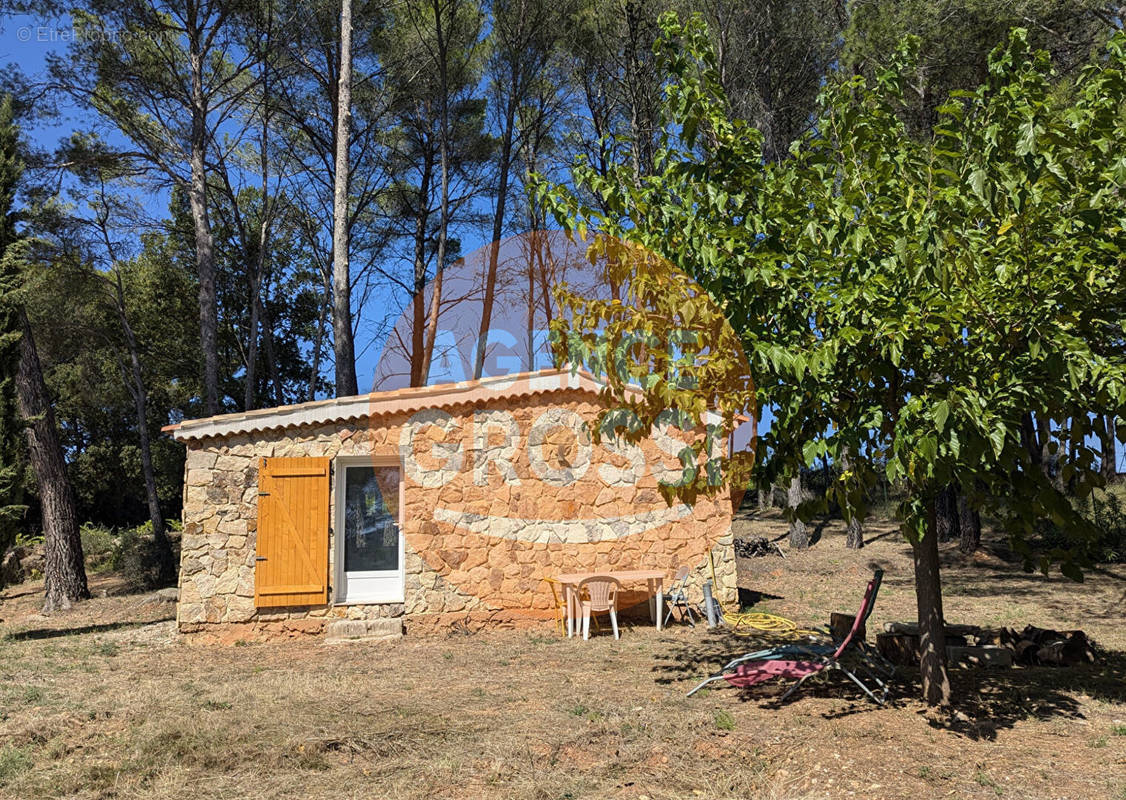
[[709, 604]]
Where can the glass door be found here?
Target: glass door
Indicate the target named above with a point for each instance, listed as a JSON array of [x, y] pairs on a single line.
[[369, 547]]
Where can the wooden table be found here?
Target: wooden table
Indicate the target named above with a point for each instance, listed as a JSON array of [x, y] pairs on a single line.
[[654, 581]]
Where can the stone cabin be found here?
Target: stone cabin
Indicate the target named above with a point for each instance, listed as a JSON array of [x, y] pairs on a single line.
[[427, 507]]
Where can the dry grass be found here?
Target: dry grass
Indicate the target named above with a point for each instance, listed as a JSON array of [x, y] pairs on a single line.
[[105, 702]]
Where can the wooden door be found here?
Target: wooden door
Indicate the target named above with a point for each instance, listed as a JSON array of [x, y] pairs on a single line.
[[291, 566]]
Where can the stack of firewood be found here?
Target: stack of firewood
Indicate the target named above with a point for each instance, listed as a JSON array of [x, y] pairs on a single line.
[[756, 547], [1042, 646], [971, 645]]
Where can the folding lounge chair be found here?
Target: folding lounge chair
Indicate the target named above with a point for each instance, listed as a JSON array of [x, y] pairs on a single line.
[[804, 661], [789, 650]]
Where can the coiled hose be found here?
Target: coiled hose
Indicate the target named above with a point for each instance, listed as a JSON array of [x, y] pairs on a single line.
[[753, 623]]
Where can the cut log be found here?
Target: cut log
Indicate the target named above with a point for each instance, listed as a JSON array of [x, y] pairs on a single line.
[[899, 648], [841, 624], [903, 648], [979, 656], [999, 637], [912, 628]]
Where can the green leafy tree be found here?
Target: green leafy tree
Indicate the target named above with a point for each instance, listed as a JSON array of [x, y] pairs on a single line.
[[908, 302]]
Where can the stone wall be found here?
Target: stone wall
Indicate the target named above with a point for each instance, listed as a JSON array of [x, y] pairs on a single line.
[[495, 499]]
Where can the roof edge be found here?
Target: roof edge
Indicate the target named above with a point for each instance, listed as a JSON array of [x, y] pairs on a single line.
[[374, 404]]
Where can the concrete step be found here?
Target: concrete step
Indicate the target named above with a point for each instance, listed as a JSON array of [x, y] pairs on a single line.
[[342, 631]]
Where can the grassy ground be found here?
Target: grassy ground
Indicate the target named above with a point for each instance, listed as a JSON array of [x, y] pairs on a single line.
[[104, 701]]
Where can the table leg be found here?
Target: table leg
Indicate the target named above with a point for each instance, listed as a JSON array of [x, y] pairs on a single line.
[[660, 604], [649, 584]]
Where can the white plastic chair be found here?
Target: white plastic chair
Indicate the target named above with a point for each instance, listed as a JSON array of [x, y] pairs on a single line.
[[601, 595]]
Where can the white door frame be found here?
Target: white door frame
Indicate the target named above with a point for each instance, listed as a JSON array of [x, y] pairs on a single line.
[[389, 586]]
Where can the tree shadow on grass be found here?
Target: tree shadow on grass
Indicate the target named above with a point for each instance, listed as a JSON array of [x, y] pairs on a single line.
[[14, 595], [986, 701], [54, 633], [989, 701], [884, 535], [818, 531]]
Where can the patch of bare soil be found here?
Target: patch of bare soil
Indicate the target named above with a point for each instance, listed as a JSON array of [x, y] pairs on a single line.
[[92, 705]]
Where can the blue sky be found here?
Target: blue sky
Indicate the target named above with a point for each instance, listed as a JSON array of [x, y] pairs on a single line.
[[27, 42]]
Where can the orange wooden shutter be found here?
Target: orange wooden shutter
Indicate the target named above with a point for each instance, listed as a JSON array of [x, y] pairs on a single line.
[[292, 551]]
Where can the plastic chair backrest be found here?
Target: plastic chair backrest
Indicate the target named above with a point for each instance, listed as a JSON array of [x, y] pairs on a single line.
[[602, 590], [555, 590], [682, 574]]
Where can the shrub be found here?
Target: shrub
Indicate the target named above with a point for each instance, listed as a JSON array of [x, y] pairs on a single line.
[[136, 559], [1105, 509], [97, 543]]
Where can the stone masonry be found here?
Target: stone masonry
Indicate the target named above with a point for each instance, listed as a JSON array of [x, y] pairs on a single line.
[[496, 498]]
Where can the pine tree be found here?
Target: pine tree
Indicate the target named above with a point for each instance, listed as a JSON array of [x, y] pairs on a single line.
[[64, 571], [11, 454]]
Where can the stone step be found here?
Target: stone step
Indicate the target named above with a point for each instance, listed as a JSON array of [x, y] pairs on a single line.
[[342, 631]]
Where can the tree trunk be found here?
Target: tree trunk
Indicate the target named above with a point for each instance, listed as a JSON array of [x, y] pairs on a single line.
[[946, 513], [932, 632], [1069, 485], [256, 273], [166, 562], [418, 320], [318, 338], [763, 499], [1112, 441], [543, 259], [970, 525], [250, 390], [64, 570], [854, 538], [1044, 437], [530, 317], [271, 358], [799, 533], [440, 38], [432, 322], [494, 248], [341, 275], [1031, 441], [1105, 428], [204, 241]]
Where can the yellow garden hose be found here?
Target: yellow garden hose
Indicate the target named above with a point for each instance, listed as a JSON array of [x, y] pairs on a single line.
[[751, 623]]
